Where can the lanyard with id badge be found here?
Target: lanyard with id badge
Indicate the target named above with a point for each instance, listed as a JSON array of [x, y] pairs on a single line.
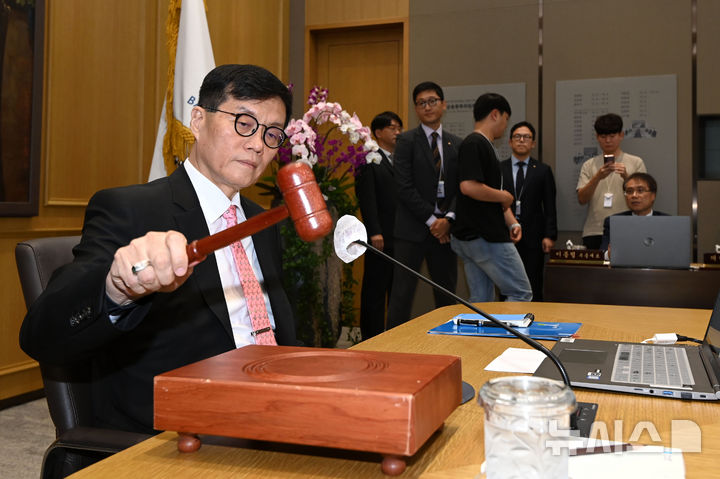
[[608, 196]]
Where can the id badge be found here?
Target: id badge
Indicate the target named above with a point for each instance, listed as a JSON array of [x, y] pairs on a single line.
[[517, 207], [607, 200], [441, 189]]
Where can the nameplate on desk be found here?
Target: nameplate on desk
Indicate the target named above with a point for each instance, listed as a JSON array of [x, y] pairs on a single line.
[[577, 256]]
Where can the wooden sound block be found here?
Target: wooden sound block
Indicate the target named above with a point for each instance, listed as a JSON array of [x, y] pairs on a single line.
[[382, 402]]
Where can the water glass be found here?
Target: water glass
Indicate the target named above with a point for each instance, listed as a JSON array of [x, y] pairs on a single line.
[[526, 427]]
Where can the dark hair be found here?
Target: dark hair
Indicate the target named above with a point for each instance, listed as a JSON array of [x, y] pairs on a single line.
[[489, 102], [426, 86], [608, 124], [383, 120], [526, 124], [243, 82], [649, 180]]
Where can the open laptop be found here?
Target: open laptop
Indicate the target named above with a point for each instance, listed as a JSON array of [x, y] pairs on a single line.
[[675, 371], [650, 241]]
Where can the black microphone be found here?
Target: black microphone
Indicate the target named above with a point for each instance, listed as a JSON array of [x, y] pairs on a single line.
[[350, 242]]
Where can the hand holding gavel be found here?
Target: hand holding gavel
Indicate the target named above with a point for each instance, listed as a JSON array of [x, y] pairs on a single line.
[[127, 279]]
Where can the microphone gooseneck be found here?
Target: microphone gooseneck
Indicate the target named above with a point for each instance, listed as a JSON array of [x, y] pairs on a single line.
[[534, 344]]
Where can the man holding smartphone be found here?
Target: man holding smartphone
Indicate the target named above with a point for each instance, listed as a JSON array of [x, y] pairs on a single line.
[[600, 185]]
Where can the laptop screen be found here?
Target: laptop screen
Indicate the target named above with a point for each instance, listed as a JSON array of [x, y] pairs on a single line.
[[712, 336], [711, 343], [650, 241]]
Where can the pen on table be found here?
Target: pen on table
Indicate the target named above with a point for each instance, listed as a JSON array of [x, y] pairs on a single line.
[[601, 449]]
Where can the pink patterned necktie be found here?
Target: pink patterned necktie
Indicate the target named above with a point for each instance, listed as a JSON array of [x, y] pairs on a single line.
[[262, 331]]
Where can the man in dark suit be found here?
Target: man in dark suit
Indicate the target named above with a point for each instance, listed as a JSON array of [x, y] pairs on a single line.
[[426, 178], [375, 189], [130, 303], [533, 188], [640, 190]]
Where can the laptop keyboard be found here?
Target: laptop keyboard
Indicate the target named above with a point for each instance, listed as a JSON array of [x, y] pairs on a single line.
[[653, 365]]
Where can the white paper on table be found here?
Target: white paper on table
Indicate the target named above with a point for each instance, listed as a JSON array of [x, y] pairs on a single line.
[[646, 461], [516, 360]]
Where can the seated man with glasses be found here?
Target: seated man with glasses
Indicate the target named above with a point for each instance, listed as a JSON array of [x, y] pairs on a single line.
[[129, 303], [639, 190]]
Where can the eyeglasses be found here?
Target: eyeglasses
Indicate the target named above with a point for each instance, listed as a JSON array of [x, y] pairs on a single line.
[[519, 137], [431, 102], [639, 191], [246, 125]]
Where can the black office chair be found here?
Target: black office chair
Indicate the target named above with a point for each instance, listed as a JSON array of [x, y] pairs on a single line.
[[67, 388]]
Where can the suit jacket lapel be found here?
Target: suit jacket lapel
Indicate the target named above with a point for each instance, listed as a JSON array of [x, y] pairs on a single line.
[[385, 163], [530, 170], [446, 149], [191, 222]]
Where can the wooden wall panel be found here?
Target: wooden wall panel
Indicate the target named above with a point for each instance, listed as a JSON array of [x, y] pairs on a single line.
[[248, 31], [334, 12], [95, 100]]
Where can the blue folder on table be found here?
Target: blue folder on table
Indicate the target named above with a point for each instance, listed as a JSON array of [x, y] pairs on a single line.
[[537, 330]]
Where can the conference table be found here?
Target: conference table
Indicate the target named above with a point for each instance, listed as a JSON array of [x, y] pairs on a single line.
[[456, 450]]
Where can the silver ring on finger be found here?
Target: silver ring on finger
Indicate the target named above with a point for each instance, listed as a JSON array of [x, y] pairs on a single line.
[[140, 265]]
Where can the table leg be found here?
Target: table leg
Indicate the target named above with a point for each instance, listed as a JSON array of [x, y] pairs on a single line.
[[188, 442], [393, 465]]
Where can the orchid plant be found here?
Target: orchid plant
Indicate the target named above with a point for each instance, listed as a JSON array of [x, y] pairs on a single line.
[[312, 140], [336, 145]]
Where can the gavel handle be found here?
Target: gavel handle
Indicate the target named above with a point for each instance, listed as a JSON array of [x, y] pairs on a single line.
[[198, 250]]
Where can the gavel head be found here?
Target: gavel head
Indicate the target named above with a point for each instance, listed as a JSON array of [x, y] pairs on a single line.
[[304, 201]]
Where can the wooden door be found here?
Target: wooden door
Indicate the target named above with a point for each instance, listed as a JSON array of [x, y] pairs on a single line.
[[362, 67]]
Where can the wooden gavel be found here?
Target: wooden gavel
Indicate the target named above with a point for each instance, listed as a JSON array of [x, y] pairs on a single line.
[[304, 204]]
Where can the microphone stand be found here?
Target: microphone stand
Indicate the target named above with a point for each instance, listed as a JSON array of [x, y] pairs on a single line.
[[534, 344]]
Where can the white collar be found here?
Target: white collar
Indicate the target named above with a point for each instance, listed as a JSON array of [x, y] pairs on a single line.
[[429, 131], [649, 214], [212, 200]]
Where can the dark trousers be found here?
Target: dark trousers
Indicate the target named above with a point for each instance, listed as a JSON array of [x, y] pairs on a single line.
[[442, 265], [534, 261], [376, 287]]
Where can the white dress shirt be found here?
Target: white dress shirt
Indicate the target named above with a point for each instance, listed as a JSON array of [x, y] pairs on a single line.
[[214, 203]]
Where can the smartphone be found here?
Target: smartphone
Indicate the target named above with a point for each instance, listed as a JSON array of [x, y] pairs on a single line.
[[609, 158]]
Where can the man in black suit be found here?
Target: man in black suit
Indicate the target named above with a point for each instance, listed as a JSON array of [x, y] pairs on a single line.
[[640, 190], [130, 303], [375, 189], [426, 178], [533, 188]]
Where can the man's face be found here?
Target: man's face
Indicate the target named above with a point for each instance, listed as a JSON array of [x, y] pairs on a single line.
[[231, 161], [610, 143], [638, 196], [428, 113], [386, 137], [522, 142]]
